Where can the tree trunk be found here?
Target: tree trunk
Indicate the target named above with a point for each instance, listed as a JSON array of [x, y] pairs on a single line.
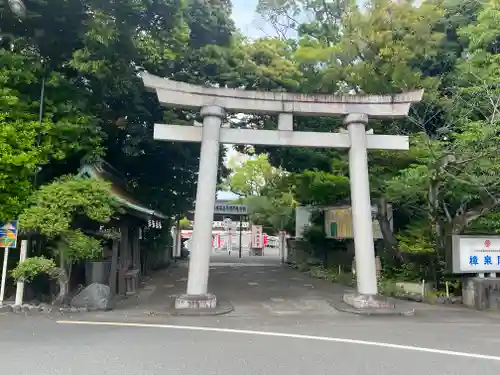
[[63, 280], [437, 228], [390, 241]]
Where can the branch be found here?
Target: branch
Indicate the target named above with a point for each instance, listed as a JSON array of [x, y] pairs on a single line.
[[447, 212], [464, 217]]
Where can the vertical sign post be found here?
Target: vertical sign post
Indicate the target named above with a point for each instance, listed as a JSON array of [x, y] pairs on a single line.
[[20, 284], [8, 239], [177, 240], [281, 238], [257, 238], [228, 223], [4, 274], [241, 233]]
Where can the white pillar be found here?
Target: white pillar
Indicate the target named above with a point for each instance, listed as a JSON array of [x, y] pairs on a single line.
[[201, 244], [20, 284], [281, 238], [177, 240], [361, 206], [4, 274]]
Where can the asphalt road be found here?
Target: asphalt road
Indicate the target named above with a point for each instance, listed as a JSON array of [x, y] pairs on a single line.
[[282, 324], [39, 346]]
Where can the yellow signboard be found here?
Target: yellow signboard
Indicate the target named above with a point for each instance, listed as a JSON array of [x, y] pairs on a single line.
[[338, 222]]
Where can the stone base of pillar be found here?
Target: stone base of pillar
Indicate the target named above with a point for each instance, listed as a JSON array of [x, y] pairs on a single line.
[[205, 301], [200, 305], [367, 301], [364, 304]]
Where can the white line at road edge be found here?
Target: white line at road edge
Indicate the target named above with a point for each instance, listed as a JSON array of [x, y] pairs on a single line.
[[286, 335]]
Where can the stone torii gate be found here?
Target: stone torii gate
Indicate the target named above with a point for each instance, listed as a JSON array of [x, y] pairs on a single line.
[[215, 102]]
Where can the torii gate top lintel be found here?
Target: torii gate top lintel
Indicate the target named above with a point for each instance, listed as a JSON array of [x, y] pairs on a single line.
[[180, 94]]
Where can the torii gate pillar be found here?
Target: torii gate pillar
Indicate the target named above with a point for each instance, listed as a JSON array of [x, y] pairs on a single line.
[[199, 263], [361, 206]]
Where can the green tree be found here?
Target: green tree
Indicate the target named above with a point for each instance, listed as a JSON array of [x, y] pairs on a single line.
[[209, 22], [27, 144], [90, 53], [57, 211], [274, 207], [391, 47], [185, 223], [252, 176], [453, 188], [345, 49], [274, 212], [319, 188]]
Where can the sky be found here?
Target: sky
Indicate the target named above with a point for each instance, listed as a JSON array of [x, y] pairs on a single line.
[[247, 20]]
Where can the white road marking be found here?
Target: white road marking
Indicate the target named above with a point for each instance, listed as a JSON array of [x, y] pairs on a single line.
[[286, 335], [236, 265]]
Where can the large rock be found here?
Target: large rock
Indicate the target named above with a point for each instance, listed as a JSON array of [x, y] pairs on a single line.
[[95, 297]]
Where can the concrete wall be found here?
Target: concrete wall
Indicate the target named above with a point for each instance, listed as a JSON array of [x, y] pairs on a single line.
[[481, 293]]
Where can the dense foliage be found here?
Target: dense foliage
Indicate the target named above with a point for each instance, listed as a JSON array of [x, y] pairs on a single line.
[[448, 182]]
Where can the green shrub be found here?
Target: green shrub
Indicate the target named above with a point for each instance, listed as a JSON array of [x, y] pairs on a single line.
[[32, 267]]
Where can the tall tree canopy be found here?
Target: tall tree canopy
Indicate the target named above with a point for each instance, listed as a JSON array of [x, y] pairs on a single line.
[[446, 184], [89, 54]]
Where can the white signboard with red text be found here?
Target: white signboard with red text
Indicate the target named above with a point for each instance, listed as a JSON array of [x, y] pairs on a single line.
[[476, 254], [257, 237]]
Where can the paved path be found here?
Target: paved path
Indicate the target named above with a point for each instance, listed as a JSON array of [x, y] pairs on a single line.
[[257, 287], [261, 288], [282, 324]]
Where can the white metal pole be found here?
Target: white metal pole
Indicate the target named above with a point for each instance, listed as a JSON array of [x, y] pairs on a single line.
[[205, 200], [240, 236], [173, 232], [366, 274], [4, 273], [20, 284], [285, 246]]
